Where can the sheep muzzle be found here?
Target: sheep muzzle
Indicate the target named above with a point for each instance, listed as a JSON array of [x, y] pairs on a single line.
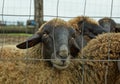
[[62, 58]]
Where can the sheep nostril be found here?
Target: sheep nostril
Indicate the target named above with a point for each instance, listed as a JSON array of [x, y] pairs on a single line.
[[63, 62], [63, 57]]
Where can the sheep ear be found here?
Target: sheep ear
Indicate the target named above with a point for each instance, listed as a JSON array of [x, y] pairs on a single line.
[[117, 29], [74, 48], [80, 23], [35, 39], [118, 63]]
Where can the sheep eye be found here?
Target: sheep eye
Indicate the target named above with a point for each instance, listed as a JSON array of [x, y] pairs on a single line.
[[45, 34], [73, 35], [45, 37]]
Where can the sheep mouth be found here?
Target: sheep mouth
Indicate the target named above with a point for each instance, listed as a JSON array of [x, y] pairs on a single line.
[[59, 63], [60, 67]]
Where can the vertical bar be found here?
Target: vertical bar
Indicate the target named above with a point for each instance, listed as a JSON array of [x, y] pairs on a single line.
[[57, 11], [3, 9], [26, 56], [3, 4], [82, 44], [106, 73], [109, 41]]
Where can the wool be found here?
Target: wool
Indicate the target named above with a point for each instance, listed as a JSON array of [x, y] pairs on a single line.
[[74, 21], [103, 47]]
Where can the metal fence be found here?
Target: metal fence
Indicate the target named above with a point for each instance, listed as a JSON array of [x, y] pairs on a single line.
[[8, 40]]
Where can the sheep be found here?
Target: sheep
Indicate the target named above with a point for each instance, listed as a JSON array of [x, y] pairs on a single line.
[[104, 47], [78, 71], [57, 38], [86, 26], [108, 24], [51, 68], [86, 29], [19, 72], [22, 71], [81, 70]]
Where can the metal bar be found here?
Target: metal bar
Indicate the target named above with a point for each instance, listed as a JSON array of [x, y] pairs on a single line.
[[16, 15]]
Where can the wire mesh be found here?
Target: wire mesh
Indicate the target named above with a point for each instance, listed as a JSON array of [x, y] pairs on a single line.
[[27, 59]]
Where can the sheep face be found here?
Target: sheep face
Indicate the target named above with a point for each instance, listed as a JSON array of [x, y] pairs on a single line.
[[57, 44], [86, 26], [57, 41], [108, 24], [90, 29]]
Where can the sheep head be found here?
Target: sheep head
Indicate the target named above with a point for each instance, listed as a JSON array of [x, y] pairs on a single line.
[[90, 27], [108, 24], [87, 26], [58, 39]]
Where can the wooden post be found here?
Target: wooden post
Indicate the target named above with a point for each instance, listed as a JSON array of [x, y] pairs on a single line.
[[38, 13]]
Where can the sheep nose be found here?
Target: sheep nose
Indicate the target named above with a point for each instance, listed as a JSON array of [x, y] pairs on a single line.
[[63, 52], [63, 57]]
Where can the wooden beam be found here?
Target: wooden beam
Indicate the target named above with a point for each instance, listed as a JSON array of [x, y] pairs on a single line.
[[38, 5]]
